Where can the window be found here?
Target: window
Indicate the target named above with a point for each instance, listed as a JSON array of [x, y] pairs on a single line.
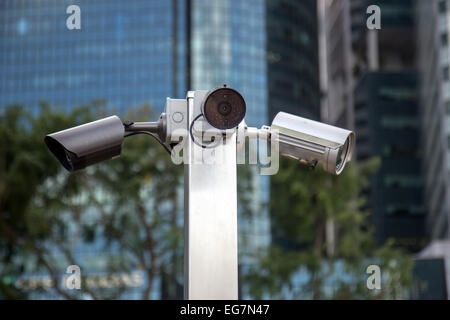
[[402, 181], [444, 39], [445, 74], [442, 6], [399, 122], [447, 107], [405, 94]]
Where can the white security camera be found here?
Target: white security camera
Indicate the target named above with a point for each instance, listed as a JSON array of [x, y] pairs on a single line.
[[312, 142]]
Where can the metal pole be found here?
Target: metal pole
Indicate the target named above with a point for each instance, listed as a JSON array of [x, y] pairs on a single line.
[[210, 254]]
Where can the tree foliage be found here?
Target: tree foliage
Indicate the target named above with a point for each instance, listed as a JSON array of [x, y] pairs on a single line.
[[129, 212], [323, 240], [128, 208]]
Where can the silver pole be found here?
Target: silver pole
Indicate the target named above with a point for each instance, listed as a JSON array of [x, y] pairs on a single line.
[[210, 254]]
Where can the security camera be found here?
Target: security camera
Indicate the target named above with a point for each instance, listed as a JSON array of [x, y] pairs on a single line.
[[224, 108], [312, 142], [81, 146], [308, 141]]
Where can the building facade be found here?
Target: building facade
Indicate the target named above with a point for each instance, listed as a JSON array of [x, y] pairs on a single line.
[[124, 52], [292, 58], [387, 120], [433, 60], [370, 84], [336, 64], [387, 124], [292, 68]]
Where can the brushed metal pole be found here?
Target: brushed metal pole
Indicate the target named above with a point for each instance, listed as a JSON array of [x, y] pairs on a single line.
[[210, 217]]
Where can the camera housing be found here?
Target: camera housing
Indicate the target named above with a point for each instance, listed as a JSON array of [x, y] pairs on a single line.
[[224, 108], [87, 144], [313, 142]]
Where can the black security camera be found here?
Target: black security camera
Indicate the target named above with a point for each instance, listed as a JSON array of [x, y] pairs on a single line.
[[90, 143]]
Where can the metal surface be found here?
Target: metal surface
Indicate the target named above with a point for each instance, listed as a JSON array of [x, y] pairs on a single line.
[[313, 142], [211, 256], [142, 126], [176, 119]]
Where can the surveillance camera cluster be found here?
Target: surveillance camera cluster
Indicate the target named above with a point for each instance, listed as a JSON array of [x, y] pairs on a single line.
[[223, 109]]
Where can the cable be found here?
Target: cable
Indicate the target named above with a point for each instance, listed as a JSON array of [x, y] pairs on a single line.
[[208, 146], [150, 134]]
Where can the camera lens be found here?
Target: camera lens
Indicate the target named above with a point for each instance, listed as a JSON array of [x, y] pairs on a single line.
[[224, 108]]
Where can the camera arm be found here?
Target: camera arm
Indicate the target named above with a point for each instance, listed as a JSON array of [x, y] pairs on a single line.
[[254, 133], [131, 126], [156, 129]]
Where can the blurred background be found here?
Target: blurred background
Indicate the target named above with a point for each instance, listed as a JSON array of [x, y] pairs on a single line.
[[302, 234]]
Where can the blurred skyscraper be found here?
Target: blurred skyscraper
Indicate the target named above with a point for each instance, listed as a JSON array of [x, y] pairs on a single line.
[[387, 120], [141, 51], [433, 59], [292, 65], [292, 57], [127, 52], [433, 51], [336, 62], [370, 80]]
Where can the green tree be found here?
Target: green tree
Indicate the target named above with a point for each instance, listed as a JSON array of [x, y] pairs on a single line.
[[132, 203], [326, 238]]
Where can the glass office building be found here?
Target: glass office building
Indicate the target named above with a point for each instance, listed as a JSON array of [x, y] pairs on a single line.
[[433, 51], [124, 52], [292, 58], [292, 67], [387, 122], [231, 50], [136, 52]]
